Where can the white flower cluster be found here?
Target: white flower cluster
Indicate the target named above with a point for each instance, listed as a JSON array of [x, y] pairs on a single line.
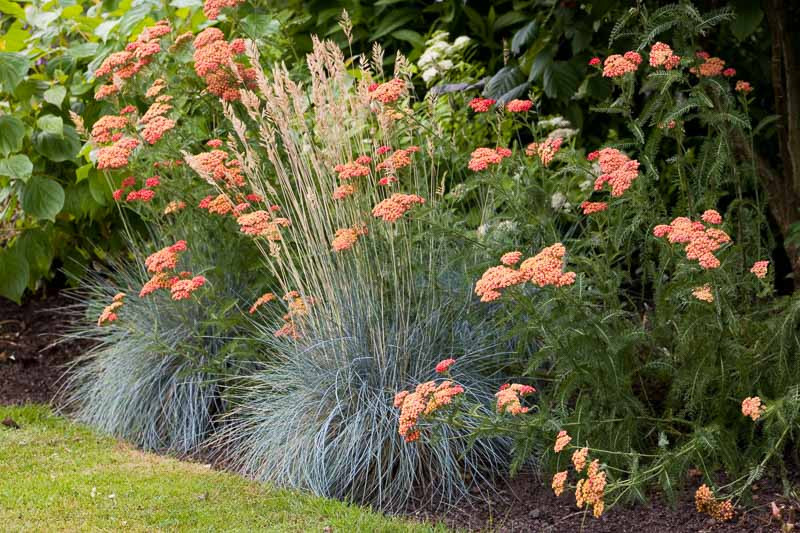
[[440, 56]]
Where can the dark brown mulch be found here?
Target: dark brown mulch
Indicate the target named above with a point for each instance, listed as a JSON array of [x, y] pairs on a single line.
[[30, 363], [526, 504]]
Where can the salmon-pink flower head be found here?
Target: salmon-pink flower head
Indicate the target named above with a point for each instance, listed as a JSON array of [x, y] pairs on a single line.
[[183, 289], [157, 109], [545, 150], [165, 259], [127, 110], [259, 224], [590, 208], [561, 441], [103, 129], [399, 159], [495, 279], [508, 398], [109, 314], [174, 206], [343, 191], [363, 160], [700, 242], [254, 197], [511, 258], [558, 482], [117, 155], [208, 36], [390, 91], [394, 207], [426, 398], [481, 105], [156, 87], [617, 65], [519, 106], [117, 194], [760, 269], [481, 158], [348, 171], [579, 459], [743, 86], [153, 181], [661, 56], [161, 280], [729, 72], [702, 54], [105, 91], [211, 8], [618, 169], [112, 63], [214, 143], [238, 46], [711, 216], [383, 149], [591, 156], [546, 268], [593, 62], [590, 491], [143, 195], [344, 239], [712, 66], [751, 406], [387, 180], [264, 298], [703, 293], [156, 129], [444, 365], [211, 57]]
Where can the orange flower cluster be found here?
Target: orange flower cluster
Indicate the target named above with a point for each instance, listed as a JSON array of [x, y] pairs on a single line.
[[751, 406], [298, 308], [545, 268], [166, 258], [618, 169], [109, 312], [701, 242], [481, 105], [519, 106], [508, 398], [712, 66], [264, 298], [579, 459], [400, 158], [137, 55], [481, 158], [558, 482], [426, 398], [345, 238], [661, 56], [590, 208], [143, 195], [743, 86], [545, 150], [182, 289], [211, 8], [343, 191], [117, 155], [444, 365], [103, 129], [261, 224], [617, 65], [590, 491], [390, 91], [705, 503], [511, 258], [212, 62], [711, 216], [157, 86], [156, 129], [703, 293], [562, 439], [174, 206], [215, 165], [760, 269], [350, 170], [394, 207]]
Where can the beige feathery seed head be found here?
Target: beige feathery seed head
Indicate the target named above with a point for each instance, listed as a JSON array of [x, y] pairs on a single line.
[[347, 26]]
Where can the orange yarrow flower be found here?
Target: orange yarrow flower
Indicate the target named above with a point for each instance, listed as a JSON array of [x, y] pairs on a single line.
[[561, 441], [751, 406]]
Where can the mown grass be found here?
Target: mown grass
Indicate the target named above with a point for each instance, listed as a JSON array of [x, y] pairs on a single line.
[[59, 476]]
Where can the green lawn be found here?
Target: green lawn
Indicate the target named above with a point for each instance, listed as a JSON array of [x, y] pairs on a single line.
[[60, 476]]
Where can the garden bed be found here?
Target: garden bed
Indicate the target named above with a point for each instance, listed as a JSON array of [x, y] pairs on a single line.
[[32, 365]]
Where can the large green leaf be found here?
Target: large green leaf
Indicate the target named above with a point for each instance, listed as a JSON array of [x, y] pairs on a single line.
[[561, 80], [506, 79], [13, 68], [17, 166], [57, 148], [36, 245], [55, 95], [524, 36], [43, 198], [14, 274], [12, 131], [11, 8], [51, 124]]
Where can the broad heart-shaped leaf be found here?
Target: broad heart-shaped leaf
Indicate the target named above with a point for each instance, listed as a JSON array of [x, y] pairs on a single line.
[[51, 124], [12, 8], [14, 274], [503, 81], [12, 130], [43, 198], [17, 166], [561, 80], [55, 95], [260, 26], [748, 18], [57, 148], [524, 36], [13, 68], [36, 246]]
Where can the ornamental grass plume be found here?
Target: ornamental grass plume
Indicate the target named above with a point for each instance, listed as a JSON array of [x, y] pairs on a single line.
[[318, 415]]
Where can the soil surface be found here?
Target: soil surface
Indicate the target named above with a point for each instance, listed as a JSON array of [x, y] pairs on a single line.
[[31, 362], [31, 365]]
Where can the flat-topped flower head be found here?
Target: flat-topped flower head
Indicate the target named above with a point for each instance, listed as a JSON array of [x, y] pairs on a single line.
[[545, 150], [558, 482], [495, 279], [508, 398], [394, 207], [183, 288], [743, 87], [351, 170], [619, 171], [511, 258], [703, 293], [424, 400], [661, 56], [760, 269], [617, 65], [481, 158], [562, 440], [711, 216], [391, 91], [264, 298], [166, 258], [481, 105], [751, 406], [444, 365], [343, 191], [590, 208], [546, 268], [105, 127], [579, 459], [519, 106]]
